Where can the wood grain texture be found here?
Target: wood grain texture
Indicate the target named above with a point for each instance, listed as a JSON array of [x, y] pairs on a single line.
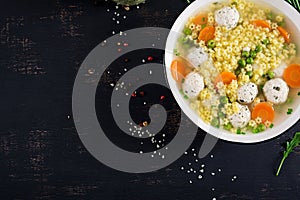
[[42, 44]]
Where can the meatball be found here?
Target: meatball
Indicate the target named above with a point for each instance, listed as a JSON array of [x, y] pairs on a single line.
[[193, 84], [227, 16], [240, 119], [197, 56], [247, 93], [276, 91]]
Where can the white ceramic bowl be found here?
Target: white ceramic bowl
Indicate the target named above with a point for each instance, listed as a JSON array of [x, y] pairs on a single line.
[[282, 122]]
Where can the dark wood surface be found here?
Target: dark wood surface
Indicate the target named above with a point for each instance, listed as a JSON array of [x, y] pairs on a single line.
[[42, 44]]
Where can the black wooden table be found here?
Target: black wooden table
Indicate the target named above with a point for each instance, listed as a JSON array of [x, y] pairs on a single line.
[[42, 44]]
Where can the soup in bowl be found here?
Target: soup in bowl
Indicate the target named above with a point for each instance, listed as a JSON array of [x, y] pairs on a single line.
[[234, 69]]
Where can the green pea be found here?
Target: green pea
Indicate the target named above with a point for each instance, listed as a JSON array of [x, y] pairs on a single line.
[[187, 31], [266, 41], [242, 63], [215, 122], [258, 49], [228, 127], [249, 73], [223, 100], [249, 60], [271, 74], [270, 16], [211, 44], [237, 71], [281, 23], [252, 54], [183, 39], [255, 130], [261, 127], [221, 115], [245, 54]]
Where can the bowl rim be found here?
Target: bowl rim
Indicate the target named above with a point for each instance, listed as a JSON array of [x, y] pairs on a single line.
[[283, 7]]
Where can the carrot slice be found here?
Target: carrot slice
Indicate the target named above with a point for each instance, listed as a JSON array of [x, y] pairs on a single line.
[[284, 33], [206, 34], [200, 19], [261, 23], [264, 111], [225, 77], [291, 75], [178, 70]]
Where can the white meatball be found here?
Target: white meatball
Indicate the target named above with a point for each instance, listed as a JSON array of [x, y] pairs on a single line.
[[247, 93], [227, 16], [197, 56], [276, 91], [240, 119], [280, 70], [193, 84]]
